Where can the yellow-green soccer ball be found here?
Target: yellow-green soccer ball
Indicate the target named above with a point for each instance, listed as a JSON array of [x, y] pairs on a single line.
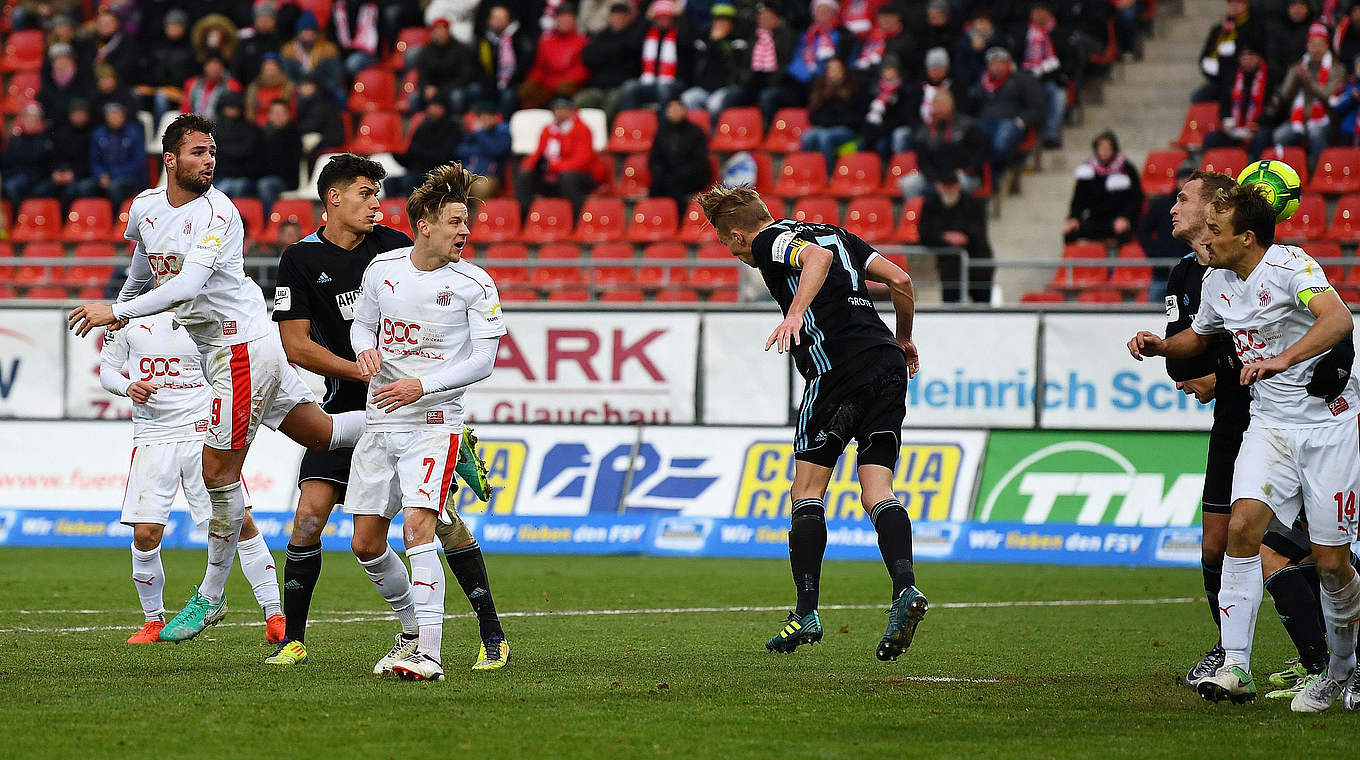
[[1281, 183]]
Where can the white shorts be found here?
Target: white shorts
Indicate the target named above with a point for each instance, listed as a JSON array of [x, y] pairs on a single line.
[[1315, 469], [157, 471], [392, 471], [252, 383]]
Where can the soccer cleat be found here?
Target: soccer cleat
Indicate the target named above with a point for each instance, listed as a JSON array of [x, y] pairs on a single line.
[[1350, 698], [1317, 694], [1231, 682], [289, 653], [494, 654], [1293, 674], [198, 613], [1206, 667], [405, 647], [1289, 692], [904, 615], [796, 632], [274, 628], [419, 666], [470, 466], [149, 634]]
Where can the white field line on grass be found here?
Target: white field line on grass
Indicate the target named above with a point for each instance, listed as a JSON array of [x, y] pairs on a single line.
[[367, 616]]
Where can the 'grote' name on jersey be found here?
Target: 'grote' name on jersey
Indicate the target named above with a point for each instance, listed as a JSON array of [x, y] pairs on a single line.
[[858, 301]]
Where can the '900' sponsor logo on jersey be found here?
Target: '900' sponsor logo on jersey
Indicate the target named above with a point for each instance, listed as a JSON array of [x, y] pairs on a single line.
[[397, 331], [152, 367]]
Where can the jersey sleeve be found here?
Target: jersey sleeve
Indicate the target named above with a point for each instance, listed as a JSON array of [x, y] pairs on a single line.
[[1207, 320], [485, 319], [292, 297], [133, 231], [860, 252], [1307, 280], [782, 252], [113, 361], [366, 309], [223, 235]]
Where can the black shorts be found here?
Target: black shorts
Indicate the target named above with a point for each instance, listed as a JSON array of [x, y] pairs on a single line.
[[1225, 439], [1292, 542], [329, 466], [866, 406]]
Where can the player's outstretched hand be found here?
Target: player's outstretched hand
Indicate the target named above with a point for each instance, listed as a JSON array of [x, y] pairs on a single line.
[[786, 331], [1145, 344], [1263, 370], [140, 391], [369, 361], [394, 396], [88, 316], [913, 359]]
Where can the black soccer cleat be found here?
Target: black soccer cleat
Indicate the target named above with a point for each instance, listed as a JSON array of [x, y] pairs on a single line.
[[904, 615], [796, 632]]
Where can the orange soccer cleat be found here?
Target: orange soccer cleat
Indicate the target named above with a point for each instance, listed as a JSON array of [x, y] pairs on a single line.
[[274, 628], [150, 633]]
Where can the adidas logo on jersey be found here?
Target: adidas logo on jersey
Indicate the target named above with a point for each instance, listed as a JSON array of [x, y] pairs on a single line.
[[323, 279]]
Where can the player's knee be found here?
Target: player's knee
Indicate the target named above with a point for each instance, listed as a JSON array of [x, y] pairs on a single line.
[[147, 536], [367, 548], [808, 510], [1334, 566]]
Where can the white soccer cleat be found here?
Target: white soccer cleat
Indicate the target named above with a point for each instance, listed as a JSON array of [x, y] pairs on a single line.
[[1318, 693], [1231, 682], [1350, 698], [401, 650], [419, 667]]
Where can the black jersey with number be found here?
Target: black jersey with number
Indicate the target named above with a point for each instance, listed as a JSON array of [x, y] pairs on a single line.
[[320, 281], [1183, 288], [841, 324]]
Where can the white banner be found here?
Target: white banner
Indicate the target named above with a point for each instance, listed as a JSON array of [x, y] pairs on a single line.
[[744, 385], [577, 367], [1091, 382], [85, 397], [32, 370]]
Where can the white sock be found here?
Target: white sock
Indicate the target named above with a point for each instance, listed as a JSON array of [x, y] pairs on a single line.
[[1238, 602], [149, 578], [258, 566], [224, 531], [389, 575], [1340, 609], [427, 586], [346, 429]]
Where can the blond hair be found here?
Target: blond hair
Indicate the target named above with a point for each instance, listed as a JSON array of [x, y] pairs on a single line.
[[730, 208], [446, 184]]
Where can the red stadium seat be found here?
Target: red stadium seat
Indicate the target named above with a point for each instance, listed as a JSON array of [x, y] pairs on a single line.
[[1230, 161], [509, 276], [601, 221], [612, 275], [285, 211], [569, 294], [1294, 155], [1200, 120], [786, 130], [677, 295], [519, 295], [1159, 171], [726, 295], [24, 51], [1337, 172], [550, 221], [89, 219], [871, 218], [1081, 277], [547, 277], [654, 220], [1346, 221], [251, 210], [857, 174], [635, 179], [700, 118], [1131, 279], [511, 253], [817, 211], [374, 89], [908, 230], [623, 295], [803, 173], [394, 214], [43, 250], [633, 131], [94, 251], [85, 276], [30, 275], [714, 276], [378, 132], [7, 293], [1043, 296], [21, 90], [738, 129], [899, 166], [1309, 222], [410, 82], [498, 220], [1100, 295], [694, 226], [48, 291], [408, 38], [39, 219], [662, 276]]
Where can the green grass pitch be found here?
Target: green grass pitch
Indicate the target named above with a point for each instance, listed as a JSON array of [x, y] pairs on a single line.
[[1054, 681]]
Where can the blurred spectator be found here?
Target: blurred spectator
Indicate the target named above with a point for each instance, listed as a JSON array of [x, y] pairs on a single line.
[[678, 159], [937, 80], [1042, 61], [311, 55], [1300, 104], [109, 88], [66, 167], [1126, 27], [461, 16], [118, 168], [1242, 110], [289, 232], [1108, 197], [558, 68], [970, 50], [1288, 35], [1220, 50], [238, 148], [949, 145], [485, 149], [354, 24], [834, 110], [563, 163], [613, 55], [431, 145], [214, 35], [1346, 106], [169, 63], [940, 30], [1346, 43], [889, 120], [506, 53], [62, 30], [885, 38], [33, 14], [1154, 235], [280, 154], [318, 114], [719, 60], [592, 16], [857, 16], [112, 46], [256, 42], [445, 64], [822, 41], [1007, 103], [272, 84], [27, 155], [202, 92], [951, 217], [771, 54], [667, 59], [63, 82]]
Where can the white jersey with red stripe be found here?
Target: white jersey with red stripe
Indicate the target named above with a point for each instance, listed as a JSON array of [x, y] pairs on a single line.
[[424, 321], [158, 351], [207, 230], [1266, 314]]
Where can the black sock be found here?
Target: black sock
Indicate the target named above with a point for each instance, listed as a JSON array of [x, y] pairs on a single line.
[[301, 568], [807, 544], [1213, 581], [1296, 600], [469, 567], [894, 542], [1310, 575]]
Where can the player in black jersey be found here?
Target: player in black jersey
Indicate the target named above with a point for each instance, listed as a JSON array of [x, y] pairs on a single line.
[[856, 371], [320, 278]]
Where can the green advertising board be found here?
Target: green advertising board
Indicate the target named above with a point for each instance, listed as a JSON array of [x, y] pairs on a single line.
[[1093, 478]]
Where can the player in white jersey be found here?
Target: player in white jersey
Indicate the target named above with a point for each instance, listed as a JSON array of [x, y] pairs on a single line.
[[1300, 450], [190, 239], [426, 326], [155, 363]]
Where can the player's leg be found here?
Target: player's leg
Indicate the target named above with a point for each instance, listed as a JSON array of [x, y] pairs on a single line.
[[151, 487], [149, 577], [260, 570], [1225, 440], [807, 545], [1292, 582], [309, 425], [1239, 601], [302, 561], [465, 559]]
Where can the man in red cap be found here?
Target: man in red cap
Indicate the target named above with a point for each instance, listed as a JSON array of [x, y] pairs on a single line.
[[1300, 105], [666, 54]]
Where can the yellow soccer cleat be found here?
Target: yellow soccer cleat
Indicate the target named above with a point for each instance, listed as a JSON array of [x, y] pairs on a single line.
[[494, 655], [289, 653]]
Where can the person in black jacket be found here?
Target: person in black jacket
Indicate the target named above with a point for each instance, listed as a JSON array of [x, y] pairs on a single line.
[[1108, 198], [719, 59], [238, 148], [26, 156], [167, 66], [432, 144], [71, 163], [892, 112], [835, 109], [63, 82], [317, 113], [1220, 50], [1006, 103], [444, 64], [678, 158], [951, 145], [953, 218], [256, 42], [280, 154], [505, 53], [613, 55]]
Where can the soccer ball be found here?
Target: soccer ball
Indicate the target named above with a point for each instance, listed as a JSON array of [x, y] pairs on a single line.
[[1281, 183]]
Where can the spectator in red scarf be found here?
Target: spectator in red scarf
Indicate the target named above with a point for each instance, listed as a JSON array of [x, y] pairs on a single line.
[[887, 38], [979, 36], [1043, 61], [506, 54], [858, 16], [355, 26], [202, 92], [562, 166], [950, 144], [1220, 50], [667, 53], [1300, 104], [1006, 102], [1242, 111], [822, 41], [890, 117], [1346, 41], [558, 68], [772, 46], [1108, 197]]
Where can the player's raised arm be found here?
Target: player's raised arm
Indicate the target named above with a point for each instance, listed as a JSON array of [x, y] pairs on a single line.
[[815, 262], [139, 274], [1182, 345], [903, 294], [1334, 323], [293, 312]]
